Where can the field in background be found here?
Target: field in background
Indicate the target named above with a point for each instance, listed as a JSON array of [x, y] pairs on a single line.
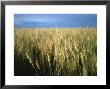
[[55, 52]]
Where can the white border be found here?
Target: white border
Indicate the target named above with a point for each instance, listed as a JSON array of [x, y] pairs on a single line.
[[100, 10]]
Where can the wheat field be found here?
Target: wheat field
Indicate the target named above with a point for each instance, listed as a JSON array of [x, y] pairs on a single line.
[[55, 52]]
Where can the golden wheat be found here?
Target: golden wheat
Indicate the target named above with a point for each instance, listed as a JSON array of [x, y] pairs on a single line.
[[57, 51]]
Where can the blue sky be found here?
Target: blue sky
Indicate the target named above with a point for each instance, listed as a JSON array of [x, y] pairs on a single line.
[[54, 20]]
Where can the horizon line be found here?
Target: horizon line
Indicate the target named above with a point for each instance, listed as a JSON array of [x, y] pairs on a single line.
[[52, 27]]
